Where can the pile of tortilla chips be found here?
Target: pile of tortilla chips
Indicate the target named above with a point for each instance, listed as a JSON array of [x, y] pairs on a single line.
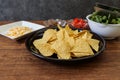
[[66, 43]]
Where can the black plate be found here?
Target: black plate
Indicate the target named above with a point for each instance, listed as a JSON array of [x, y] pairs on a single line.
[[39, 34]]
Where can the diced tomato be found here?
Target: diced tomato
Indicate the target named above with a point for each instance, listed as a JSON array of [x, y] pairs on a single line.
[[79, 23]]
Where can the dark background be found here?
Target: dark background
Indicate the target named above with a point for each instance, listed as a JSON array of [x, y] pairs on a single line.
[[46, 9]]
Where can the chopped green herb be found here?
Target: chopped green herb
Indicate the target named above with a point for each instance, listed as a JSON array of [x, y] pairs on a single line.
[[106, 18]]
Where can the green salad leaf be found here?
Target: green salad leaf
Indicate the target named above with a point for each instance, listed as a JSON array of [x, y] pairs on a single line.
[[105, 17]]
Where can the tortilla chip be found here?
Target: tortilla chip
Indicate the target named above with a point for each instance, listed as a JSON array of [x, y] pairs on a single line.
[[45, 49], [49, 35], [81, 46], [62, 48], [69, 39], [94, 44], [59, 27], [80, 54], [69, 30], [85, 34]]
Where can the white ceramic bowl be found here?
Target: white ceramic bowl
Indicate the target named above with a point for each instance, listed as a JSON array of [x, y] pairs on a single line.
[[108, 31]]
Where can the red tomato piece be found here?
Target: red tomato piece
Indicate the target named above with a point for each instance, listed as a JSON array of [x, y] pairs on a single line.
[[79, 23]]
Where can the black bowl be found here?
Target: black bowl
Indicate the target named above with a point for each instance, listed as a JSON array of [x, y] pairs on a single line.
[[39, 34]]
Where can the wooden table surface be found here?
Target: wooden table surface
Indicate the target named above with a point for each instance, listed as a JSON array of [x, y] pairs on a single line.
[[16, 63]]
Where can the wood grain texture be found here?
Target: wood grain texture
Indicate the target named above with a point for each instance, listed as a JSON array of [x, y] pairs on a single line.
[[16, 63]]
